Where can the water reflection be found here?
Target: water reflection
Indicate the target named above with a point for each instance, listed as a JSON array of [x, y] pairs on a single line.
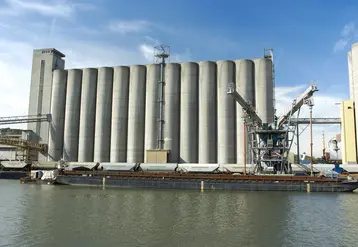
[[33, 215]]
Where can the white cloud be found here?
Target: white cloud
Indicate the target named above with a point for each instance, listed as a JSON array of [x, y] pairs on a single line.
[[130, 26], [181, 57], [47, 8], [340, 45], [348, 34], [125, 27], [52, 8], [147, 51], [80, 55], [4, 26]]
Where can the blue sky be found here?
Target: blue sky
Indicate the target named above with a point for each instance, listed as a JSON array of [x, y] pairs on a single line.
[[310, 40]]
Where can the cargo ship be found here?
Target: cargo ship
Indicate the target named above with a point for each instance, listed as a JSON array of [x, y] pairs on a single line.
[[202, 182]]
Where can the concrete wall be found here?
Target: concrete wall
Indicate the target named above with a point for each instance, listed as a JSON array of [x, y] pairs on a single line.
[[350, 76], [353, 80], [113, 111], [348, 134]]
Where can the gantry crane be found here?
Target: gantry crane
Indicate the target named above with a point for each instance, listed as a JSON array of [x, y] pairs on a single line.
[[26, 149], [269, 145]]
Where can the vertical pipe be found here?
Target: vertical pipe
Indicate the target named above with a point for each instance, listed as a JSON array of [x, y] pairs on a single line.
[[298, 144], [161, 105], [311, 142], [244, 125]]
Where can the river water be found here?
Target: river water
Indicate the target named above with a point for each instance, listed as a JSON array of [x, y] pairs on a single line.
[[46, 215]]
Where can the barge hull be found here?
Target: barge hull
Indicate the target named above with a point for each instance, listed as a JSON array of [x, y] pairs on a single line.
[[13, 174], [196, 184]]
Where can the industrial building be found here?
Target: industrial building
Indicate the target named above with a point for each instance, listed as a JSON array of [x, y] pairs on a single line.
[[349, 111], [12, 152], [161, 112]]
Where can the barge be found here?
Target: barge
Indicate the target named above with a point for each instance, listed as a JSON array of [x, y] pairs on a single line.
[[13, 174], [14, 169], [230, 182]]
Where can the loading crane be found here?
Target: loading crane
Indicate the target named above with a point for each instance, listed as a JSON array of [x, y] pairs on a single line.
[[269, 145], [297, 104], [26, 149], [246, 106]]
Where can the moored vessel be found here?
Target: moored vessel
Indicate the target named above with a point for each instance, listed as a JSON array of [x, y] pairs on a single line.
[[14, 170], [204, 181], [13, 174]]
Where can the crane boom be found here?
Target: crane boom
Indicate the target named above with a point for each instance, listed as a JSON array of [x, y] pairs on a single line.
[[297, 104], [246, 106], [25, 119]]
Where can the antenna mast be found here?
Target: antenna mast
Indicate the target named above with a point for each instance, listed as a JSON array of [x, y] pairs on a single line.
[[161, 55]]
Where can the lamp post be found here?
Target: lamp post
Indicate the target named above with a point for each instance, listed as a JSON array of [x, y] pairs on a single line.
[[310, 103], [311, 142], [244, 125]]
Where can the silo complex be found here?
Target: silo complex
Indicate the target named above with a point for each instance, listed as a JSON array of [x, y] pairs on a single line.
[[245, 85], [87, 115], [172, 111], [102, 131], [111, 114], [208, 131], [136, 114], [226, 116], [264, 90], [189, 113], [58, 99], [119, 124], [152, 107], [72, 115]]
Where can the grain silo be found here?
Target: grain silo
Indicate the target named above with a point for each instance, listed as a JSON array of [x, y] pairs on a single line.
[[120, 113]]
